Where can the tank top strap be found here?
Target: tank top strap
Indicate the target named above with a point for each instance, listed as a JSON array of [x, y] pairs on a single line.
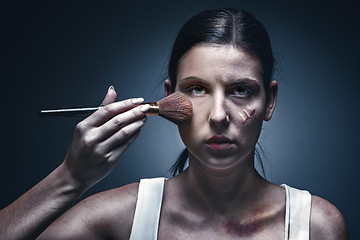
[[148, 207], [297, 215]]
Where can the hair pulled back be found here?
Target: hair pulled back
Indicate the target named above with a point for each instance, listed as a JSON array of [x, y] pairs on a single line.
[[233, 27]]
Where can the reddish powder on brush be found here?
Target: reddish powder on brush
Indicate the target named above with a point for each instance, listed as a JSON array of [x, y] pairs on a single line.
[[176, 107]]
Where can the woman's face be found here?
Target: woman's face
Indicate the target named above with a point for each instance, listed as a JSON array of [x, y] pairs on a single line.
[[226, 89]]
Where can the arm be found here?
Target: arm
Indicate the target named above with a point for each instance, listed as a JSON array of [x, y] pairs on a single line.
[[326, 221], [98, 143], [106, 215], [29, 215]]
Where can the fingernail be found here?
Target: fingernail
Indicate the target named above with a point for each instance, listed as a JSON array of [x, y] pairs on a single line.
[[145, 108], [111, 88], [137, 101]]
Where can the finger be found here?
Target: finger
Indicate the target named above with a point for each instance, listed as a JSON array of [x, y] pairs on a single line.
[[107, 112], [120, 121], [122, 136], [116, 153], [110, 96]]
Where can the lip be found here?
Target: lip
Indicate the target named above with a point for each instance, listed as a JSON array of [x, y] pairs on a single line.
[[217, 142]]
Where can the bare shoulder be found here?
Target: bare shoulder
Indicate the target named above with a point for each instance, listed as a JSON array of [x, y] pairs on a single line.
[[107, 214], [112, 208], [326, 220]]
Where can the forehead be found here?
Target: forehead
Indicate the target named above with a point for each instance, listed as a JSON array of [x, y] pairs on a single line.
[[219, 62]]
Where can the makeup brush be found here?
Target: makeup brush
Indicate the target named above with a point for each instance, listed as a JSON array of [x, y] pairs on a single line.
[[176, 107]]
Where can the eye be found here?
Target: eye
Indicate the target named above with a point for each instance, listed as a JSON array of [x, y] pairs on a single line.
[[196, 90], [241, 91]]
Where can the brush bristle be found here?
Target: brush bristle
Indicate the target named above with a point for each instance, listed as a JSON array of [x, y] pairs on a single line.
[[176, 107]]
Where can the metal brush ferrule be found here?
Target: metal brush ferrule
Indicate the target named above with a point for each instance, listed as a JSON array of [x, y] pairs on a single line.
[[154, 109]]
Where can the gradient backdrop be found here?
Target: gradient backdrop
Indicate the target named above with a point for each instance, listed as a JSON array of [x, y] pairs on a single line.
[[67, 53]]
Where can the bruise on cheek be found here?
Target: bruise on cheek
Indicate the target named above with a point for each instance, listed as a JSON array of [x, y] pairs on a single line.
[[247, 113], [242, 230]]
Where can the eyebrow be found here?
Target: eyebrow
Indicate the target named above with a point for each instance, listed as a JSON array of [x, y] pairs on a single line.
[[244, 81], [233, 83], [193, 78]]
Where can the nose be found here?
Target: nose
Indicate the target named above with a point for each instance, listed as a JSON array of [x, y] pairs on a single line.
[[218, 115]]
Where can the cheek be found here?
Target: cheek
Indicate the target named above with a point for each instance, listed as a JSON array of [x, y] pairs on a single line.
[[187, 129], [249, 117], [187, 132], [246, 114], [194, 128], [200, 114]]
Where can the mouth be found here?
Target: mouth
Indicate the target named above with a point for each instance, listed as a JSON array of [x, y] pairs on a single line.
[[219, 143]]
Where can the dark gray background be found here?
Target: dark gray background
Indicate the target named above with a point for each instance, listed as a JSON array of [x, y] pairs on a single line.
[[67, 53]]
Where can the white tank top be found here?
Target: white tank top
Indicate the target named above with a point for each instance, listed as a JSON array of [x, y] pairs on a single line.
[[150, 195]]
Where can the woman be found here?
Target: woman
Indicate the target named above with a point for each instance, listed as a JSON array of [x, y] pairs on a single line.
[[222, 60]]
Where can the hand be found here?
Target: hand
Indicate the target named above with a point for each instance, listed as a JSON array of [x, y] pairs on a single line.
[[102, 138]]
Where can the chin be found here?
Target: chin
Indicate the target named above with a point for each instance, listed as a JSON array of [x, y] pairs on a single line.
[[222, 163], [223, 160]]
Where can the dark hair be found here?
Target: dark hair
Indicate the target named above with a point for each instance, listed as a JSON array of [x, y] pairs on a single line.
[[233, 27]]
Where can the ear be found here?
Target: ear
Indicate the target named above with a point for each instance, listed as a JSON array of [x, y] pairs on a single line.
[[271, 101], [167, 85]]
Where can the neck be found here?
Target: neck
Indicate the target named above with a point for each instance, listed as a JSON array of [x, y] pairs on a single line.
[[222, 190]]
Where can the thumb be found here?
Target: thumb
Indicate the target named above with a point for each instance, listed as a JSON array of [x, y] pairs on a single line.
[[110, 96]]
